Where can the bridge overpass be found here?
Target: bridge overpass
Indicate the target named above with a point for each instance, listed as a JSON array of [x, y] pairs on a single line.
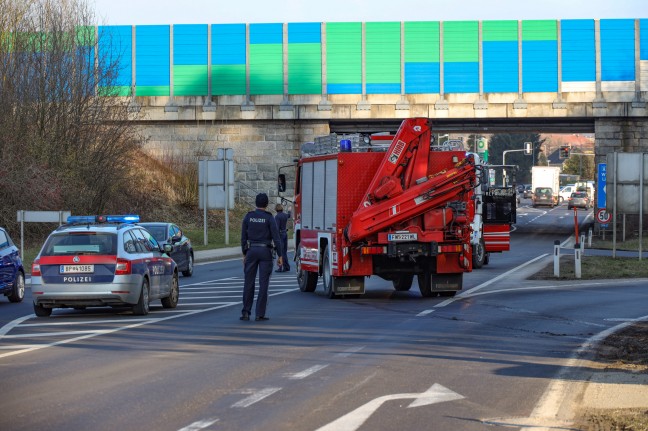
[[264, 89]]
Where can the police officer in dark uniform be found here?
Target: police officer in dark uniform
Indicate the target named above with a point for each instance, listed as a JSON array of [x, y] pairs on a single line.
[[258, 233], [282, 220]]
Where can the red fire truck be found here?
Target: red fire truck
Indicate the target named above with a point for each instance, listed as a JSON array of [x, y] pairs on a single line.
[[396, 207]]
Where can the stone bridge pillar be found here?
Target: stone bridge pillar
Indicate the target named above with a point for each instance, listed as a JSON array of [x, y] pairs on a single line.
[[622, 135]]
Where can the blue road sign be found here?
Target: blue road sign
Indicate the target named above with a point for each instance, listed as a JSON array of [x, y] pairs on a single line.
[[601, 193]]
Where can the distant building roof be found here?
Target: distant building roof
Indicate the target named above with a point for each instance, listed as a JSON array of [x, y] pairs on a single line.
[[553, 159]]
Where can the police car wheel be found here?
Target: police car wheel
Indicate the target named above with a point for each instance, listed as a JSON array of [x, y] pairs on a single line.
[[189, 271], [18, 291], [171, 301], [142, 306], [41, 311]]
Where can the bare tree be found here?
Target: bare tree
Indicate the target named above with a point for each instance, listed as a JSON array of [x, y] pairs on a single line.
[[66, 141]]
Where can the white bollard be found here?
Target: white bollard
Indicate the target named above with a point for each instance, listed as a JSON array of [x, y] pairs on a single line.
[[556, 258], [577, 262], [582, 244], [589, 238]]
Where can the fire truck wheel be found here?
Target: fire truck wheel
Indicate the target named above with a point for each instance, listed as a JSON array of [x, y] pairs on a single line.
[[306, 280], [327, 278], [479, 254], [425, 287], [403, 282]]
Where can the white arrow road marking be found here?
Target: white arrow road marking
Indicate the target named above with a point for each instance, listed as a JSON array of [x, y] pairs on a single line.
[[199, 425], [436, 394], [257, 395], [353, 420]]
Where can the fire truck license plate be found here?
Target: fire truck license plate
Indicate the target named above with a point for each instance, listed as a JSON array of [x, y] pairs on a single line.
[[402, 237], [76, 269]]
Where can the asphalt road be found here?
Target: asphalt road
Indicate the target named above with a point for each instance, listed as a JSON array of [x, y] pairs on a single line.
[[388, 360]]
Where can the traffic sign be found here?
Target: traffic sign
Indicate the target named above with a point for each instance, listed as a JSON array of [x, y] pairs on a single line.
[[603, 216], [601, 192]]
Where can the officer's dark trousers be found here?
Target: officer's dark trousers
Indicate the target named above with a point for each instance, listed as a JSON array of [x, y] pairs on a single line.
[[257, 258], [284, 251]]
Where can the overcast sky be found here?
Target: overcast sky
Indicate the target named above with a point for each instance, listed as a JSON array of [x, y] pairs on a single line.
[[114, 12]]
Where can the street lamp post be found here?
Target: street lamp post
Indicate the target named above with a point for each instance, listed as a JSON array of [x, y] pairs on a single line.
[[508, 151]]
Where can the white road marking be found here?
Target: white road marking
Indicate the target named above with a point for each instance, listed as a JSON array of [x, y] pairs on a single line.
[[424, 313], [220, 280], [257, 395], [554, 396], [175, 311], [199, 425], [208, 289], [6, 328], [238, 295], [15, 346], [470, 292], [307, 372], [60, 333], [349, 352], [9, 326], [354, 419], [193, 304], [585, 285], [82, 322]]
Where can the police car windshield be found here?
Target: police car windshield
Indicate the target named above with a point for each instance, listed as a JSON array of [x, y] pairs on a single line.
[[64, 244]]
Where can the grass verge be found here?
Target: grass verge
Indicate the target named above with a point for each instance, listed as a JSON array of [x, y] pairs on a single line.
[[595, 267]]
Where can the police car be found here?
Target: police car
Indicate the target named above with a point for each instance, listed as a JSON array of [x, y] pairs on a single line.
[[12, 273], [95, 261]]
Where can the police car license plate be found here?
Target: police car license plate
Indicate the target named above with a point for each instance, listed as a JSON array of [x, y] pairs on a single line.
[[402, 237], [76, 269]]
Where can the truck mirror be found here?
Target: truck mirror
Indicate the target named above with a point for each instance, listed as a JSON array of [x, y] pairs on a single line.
[[281, 183]]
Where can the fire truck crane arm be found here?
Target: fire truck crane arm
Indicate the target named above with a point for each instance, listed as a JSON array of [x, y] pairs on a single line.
[[435, 192]]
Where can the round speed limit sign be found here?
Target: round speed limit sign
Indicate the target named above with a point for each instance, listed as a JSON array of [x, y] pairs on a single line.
[[602, 216]]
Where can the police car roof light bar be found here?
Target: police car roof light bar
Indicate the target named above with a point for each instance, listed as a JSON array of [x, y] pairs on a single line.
[[80, 219], [128, 218]]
